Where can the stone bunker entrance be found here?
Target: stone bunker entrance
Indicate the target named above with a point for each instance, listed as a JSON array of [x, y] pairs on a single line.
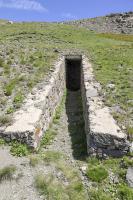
[[73, 72]]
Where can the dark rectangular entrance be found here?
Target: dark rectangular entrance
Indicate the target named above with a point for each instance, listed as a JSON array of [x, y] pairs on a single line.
[[73, 72]]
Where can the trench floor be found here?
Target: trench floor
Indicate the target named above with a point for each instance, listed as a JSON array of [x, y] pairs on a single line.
[[69, 141]]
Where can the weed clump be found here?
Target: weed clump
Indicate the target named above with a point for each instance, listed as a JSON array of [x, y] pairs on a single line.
[[2, 141], [48, 138], [5, 120], [53, 189], [7, 172], [97, 173], [18, 149], [51, 156], [10, 87], [98, 195], [34, 161], [130, 133]]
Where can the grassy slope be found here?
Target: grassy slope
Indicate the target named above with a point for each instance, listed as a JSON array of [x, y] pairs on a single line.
[[27, 52]]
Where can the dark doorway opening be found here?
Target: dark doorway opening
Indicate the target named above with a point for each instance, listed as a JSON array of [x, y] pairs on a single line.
[[73, 72]]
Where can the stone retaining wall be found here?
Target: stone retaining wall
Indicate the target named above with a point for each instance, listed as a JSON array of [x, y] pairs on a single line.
[[33, 119], [31, 122], [104, 137]]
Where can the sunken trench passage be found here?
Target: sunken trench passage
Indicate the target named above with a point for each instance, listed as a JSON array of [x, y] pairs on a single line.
[[74, 109]]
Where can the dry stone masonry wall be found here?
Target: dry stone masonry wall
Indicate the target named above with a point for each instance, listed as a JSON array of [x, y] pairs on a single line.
[[104, 137], [31, 122]]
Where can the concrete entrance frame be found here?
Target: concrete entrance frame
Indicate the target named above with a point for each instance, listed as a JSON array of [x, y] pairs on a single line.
[[33, 119]]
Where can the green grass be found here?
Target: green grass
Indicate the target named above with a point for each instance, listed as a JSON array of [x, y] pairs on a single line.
[[7, 172], [125, 193], [56, 188], [18, 149], [97, 173], [121, 37], [98, 195], [34, 160], [10, 86], [130, 133], [51, 156], [50, 187], [2, 141], [5, 120], [48, 137], [10, 110]]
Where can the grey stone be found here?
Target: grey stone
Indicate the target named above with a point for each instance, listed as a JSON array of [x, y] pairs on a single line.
[[129, 176], [111, 86], [101, 129], [131, 147], [92, 92]]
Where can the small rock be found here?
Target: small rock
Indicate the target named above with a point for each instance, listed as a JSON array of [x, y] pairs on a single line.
[[113, 178], [111, 86], [56, 50], [99, 153], [83, 169], [91, 92], [129, 177]]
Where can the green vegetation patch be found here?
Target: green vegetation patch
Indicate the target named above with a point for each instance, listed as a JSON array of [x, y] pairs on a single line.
[[2, 141], [109, 177], [97, 173], [95, 194], [5, 120], [67, 186], [18, 149], [122, 37], [7, 172], [51, 188], [125, 193], [34, 160], [51, 156], [48, 137]]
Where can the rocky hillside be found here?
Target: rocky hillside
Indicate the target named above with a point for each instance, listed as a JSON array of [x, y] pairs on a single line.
[[114, 23]]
